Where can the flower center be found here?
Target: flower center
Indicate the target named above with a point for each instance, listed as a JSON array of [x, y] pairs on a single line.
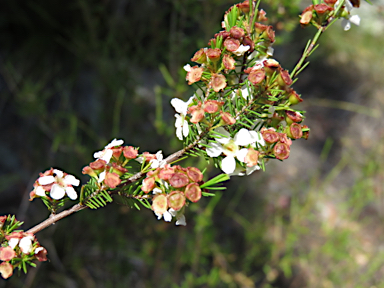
[[230, 149]]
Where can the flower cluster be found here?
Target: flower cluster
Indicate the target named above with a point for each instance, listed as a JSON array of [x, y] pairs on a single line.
[[241, 90], [17, 247], [55, 184], [321, 14], [172, 186]]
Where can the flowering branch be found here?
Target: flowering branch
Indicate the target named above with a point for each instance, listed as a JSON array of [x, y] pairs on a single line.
[[240, 117]]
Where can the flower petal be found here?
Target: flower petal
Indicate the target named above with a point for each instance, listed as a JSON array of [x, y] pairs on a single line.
[[72, 194], [13, 242], [114, 143], [228, 164], [58, 173], [179, 105], [252, 169], [45, 180], [355, 19], [346, 24], [167, 216], [39, 191], [240, 155], [224, 136], [243, 137], [26, 245], [57, 192], [214, 150], [181, 220], [71, 180]]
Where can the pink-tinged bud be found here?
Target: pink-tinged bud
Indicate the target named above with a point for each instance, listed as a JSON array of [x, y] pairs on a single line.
[[283, 79], [194, 75], [244, 6], [197, 113], [194, 174], [200, 56], [306, 16], [17, 235], [160, 204], [130, 152], [212, 106], [322, 11], [270, 135], [153, 173], [118, 169], [261, 16], [193, 192], [6, 270], [213, 54], [294, 131], [270, 66], [112, 180], [41, 254], [237, 32], [148, 185], [148, 156], [89, 171], [229, 62], [224, 34], [231, 44], [269, 35], [2, 220], [248, 42], [166, 173], [176, 200], [7, 253], [98, 165], [293, 116], [227, 118], [331, 2], [306, 132], [260, 28], [293, 97], [218, 82], [179, 180], [284, 139], [117, 152], [256, 76], [252, 157], [281, 151]]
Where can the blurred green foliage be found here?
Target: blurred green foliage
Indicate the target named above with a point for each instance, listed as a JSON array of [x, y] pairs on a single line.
[[75, 74]]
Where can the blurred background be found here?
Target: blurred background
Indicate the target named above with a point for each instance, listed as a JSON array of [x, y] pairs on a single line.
[[76, 74]]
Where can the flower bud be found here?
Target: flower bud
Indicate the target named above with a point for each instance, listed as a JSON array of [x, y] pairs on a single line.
[[283, 79], [197, 113], [176, 200], [178, 180], [118, 169], [244, 6], [130, 152], [98, 165], [193, 192], [227, 118], [148, 184], [89, 171], [200, 56], [194, 174], [248, 42], [41, 254], [261, 15], [305, 133], [213, 54], [231, 44], [7, 253], [306, 16], [281, 151], [268, 35], [112, 180], [322, 11], [293, 97], [6, 270], [237, 32], [166, 173], [293, 116], [270, 66], [256, 76], [160, 204], [270, 135], [260, 28], [294, 131], [212, 106], [2, 220], [252, 157], [117, 152], [194, 75], [218, 82], [229, 62]]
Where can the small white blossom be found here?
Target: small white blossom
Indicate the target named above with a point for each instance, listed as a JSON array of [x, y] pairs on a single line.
[[107, 153], [181, 107], [346, 22], [158, 162], [61, 184], [241, 50], [230, 147], [25, 244]]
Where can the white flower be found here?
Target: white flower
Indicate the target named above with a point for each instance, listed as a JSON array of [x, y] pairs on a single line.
[[167, 215], [13, 242], [181, 107], [62, 184], [230, 147], [187, 67], [241, 50], [25, 244], [107, 153], [158, 162], [346, 22]]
